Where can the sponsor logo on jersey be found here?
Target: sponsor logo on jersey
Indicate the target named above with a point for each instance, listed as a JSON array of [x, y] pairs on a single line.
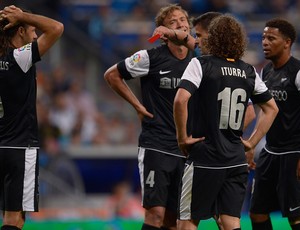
[[279, 95], [169, 83], [283, 79], [293, 209], [164, 72]]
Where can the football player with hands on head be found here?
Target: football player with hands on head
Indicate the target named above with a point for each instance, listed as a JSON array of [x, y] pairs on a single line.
[[20, 49]]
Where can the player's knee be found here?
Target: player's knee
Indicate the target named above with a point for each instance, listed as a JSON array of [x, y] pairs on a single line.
[[259, 222], [154, 216], [14, 219], [259, 217], [294, 220]]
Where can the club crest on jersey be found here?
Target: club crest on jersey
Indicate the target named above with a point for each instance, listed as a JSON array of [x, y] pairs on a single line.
[[169, 83]]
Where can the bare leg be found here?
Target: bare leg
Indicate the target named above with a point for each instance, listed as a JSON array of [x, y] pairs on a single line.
[[187, 224], [14, 218], [154, 216], [230, 222]]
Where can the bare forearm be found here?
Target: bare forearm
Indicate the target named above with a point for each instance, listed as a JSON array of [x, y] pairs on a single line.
[[176, 36], [180, 119], [180, 114], [42, 23], [50, 28], [125, 92], [264, 122], [185, 39], [115, 81], [249, 116]]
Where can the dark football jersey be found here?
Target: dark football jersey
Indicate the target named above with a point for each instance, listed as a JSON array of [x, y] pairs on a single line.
[[159, 72], [284, 85], [18, 119], [223, 88]]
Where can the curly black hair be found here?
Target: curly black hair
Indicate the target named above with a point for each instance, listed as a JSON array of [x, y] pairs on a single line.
[[226, 37], [284, 27]]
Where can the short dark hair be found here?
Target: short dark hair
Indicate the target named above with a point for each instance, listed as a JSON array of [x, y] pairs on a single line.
[[284, 27], [205, 19]]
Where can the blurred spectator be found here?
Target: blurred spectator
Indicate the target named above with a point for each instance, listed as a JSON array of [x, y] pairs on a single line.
[[195, 7], [131, 130], [89, 119], [102, 23], [123, 203], [59, 80], [279, 7], [241, 8], [151, 7], [116, 134], [59, 174], [46, 128], [218, 6], [64, 115]]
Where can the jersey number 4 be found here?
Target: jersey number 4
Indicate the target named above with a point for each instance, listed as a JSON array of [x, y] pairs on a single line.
[[232, 108], [150, 178]]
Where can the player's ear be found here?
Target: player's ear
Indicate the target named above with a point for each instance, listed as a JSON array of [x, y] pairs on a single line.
[[21, 31], [288, 43]]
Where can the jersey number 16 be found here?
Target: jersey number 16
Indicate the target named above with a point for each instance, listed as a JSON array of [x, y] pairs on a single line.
[[232, 108]]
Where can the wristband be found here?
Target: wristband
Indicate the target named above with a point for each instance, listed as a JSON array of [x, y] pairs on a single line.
[[184, 41]]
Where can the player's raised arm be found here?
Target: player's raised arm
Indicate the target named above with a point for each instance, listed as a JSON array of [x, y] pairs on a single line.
[[177, 36], [50, 28]]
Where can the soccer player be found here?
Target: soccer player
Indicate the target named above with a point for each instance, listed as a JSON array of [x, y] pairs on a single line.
[[20, 49], [201, 25], [161, 162], [277, 176], [215, 150]]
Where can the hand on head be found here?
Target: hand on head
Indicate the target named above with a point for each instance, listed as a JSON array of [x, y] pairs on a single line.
[[10, 14]]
